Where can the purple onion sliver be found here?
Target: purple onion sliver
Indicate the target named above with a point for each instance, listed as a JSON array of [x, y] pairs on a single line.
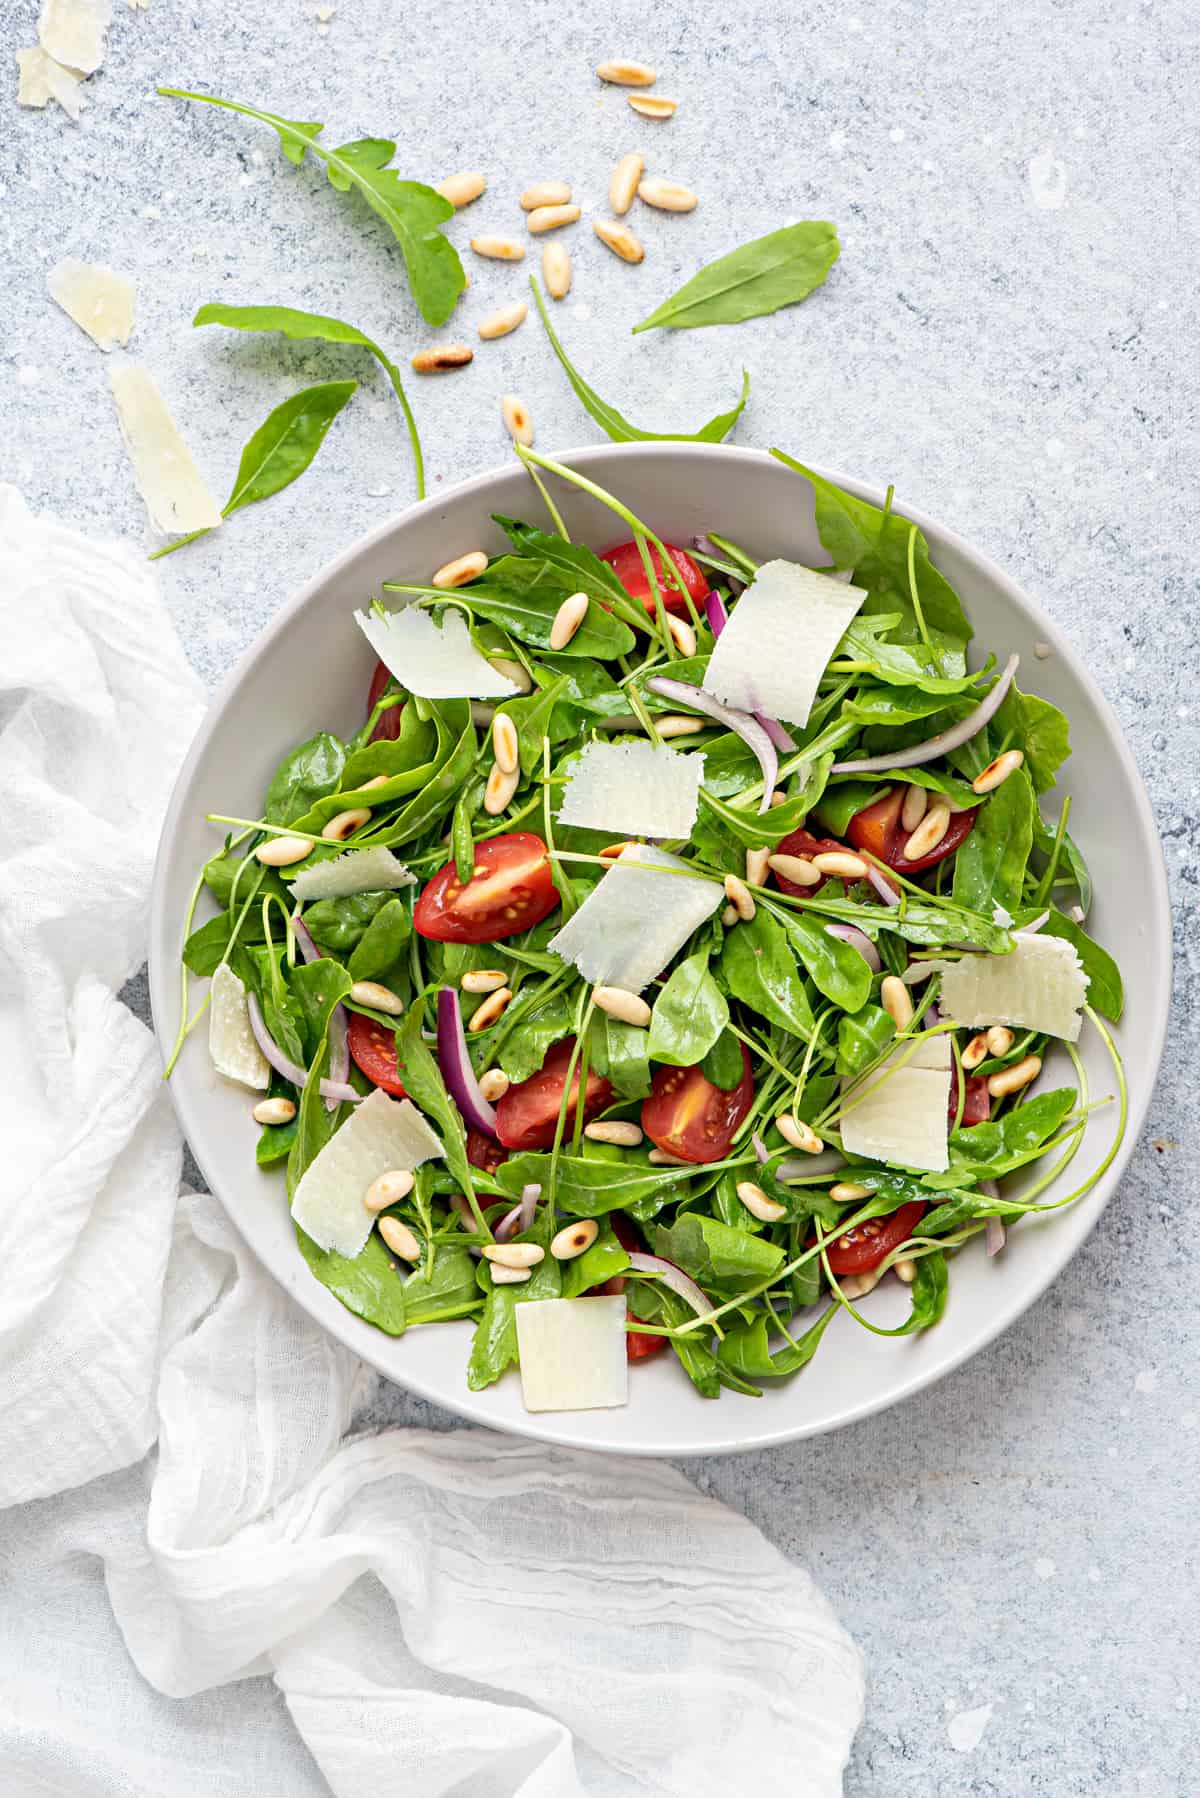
[[778, 735], [308, 949], [714, 611], [857, 939], [796, 1167], [760, 1148], [527, 1209], [454, 1060], [931, 1019], [945, 740], [329, 1089], [509, 1223], [995, 1235], [741, 723], [883, 887], [1033, 925], [672, 1276]]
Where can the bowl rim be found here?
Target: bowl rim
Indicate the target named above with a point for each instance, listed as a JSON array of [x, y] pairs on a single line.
[[351, 1330]]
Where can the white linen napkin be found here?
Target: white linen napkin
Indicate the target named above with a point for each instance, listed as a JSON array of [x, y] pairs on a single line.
[[453, 1615]]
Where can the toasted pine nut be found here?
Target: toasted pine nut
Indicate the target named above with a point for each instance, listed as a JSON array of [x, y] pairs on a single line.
[[503, 320], [462, 188], [512, 671], [929, 832], [664, 1158], [549, 218], [757, 862], [975, 1052], [857, 1286], [740, 897], [556, 270], [514, 1254], [620, 1004], [400, 1238], [614, 1130], [274, 1111], [494, 1084], [377, 780], [653, 106], [796, 868], [841, 864], [999, 1040], [627, 74], [799, 1135], [509, 1276], [499, 790], [389, 1189], [442, 357], [499, 249], [913, 810], [545, 193], [346, 823], [1011, 1080], [896, 1000], [682, 634], [758, 1204], [729, 917], [998, 771], [667, 196], [281, 852], [625, 178], [619, 239], [905, 1270], [376, 997], [848, 1192], [504, 742], [678, 724], [573, 1239], [613, 851], [483, 980], [779, 797], [518, 422], [490, 1010], [567, 620]]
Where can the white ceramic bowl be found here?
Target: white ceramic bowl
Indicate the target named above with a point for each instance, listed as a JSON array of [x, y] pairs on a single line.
[[310, 669]]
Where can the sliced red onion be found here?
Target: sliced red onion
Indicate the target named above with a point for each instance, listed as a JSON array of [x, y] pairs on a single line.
[[1033, 925], [931, 1019], [796, 1167], [339, 1023], [741, 723], [454, 1060], [509, 1224], [760, 1148], [945, 741], [857, 939], [672, 1276], [995, 1234], [528, 1206], [882, 885], [714, 611], [778, 735], [340, 1093]]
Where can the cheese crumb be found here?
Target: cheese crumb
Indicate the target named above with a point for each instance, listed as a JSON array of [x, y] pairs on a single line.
[[99, 300]]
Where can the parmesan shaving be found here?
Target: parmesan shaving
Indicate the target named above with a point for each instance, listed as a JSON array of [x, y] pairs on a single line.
[[354, 871], [636, 788], [167, 478], [379, 1135], [72, 31], [572, 1353], [40, 79], [99, 300], [231, 1042], [780, 636], [436, 662], [640, 915], [902, 1115], [1040, 986]]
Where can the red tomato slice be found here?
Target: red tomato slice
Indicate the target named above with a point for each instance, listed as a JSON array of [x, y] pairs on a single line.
[[373, 1048], [858, 1251], [686, 1115], [626, 563], [387, 725], [977, 1106], [511, 890], [802, 842], [483, 1153], [877, 828], [527, 1115], [638, 1345]]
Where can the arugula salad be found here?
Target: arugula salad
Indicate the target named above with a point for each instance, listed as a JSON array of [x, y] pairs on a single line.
[[670, 957]]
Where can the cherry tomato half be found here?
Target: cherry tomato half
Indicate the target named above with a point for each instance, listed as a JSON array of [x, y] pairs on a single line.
[[387, 725], [803, 843], [858, 1251], [527, 1115], [877, 828], [510, 891], [483, 1153], [686, 1115], [977, 1105], [626, 563], [638, 1345], [373, 1048]]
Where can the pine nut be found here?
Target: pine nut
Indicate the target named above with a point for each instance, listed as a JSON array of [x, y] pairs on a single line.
[[614, 1130], [567, 620], [929, 832], [504, 742], [757, 861], [462, 188], [509, 1276], [740, 897], [518, 422], [573, 1239], [729, 917], [625, 178], [389, 1189], [499, 790], [1011, 1080], [667, 196], [653, 106], [896, 1000], [796, 868], [779, 797], [514, 1254], [758, 1204], [613, 851], [512, 671], [545, 193], [499, 249], [999, 1040], [620, 1004], [619, 239], [494, 1084], [549, 218], [848, 1192], [857, 1286], [442, 357], [905, 1270], [503, 320], [346, 823], [399, 1238], [678, 724], [556, 270], [838, 862], [997, 772], [274, 1111], [376, 997], [682, 634], [627, 74], [377, 780], [281, 852], [916, 799], [483, 980], [798, 1134], [664, 1158], [975, 1052], [490, 1010]]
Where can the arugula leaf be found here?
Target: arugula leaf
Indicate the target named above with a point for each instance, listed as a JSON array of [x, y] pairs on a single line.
[[989, 868], [689, 1015], [723, 1065], [602, 1179], [341, 924], [523, 1051], [1026, 722], [716, 1254], [425, 1087], [450, 1291], [611, 421], [604, 1260], [1072, 856], [573, 565], [999, 1146], [774, 271], [522, 595], [862, 1037], [303, 777], [1105, 990], [619, 1055], [747, 1348], [837, 969], [650, 1302], [494, 1345], [382, 943], [759, 968], [368, 1285], [412, 212]]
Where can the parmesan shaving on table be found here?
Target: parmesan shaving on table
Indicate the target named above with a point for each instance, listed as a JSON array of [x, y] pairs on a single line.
[[167, 477], [99, 300]]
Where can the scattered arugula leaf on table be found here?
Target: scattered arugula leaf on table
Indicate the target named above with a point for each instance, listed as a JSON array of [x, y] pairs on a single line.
[[774, 271]]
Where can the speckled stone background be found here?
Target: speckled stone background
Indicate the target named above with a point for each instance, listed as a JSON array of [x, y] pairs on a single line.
[[1010, 337]]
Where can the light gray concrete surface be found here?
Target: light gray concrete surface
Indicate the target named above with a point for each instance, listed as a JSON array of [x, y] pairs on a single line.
[[1010, 337]]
